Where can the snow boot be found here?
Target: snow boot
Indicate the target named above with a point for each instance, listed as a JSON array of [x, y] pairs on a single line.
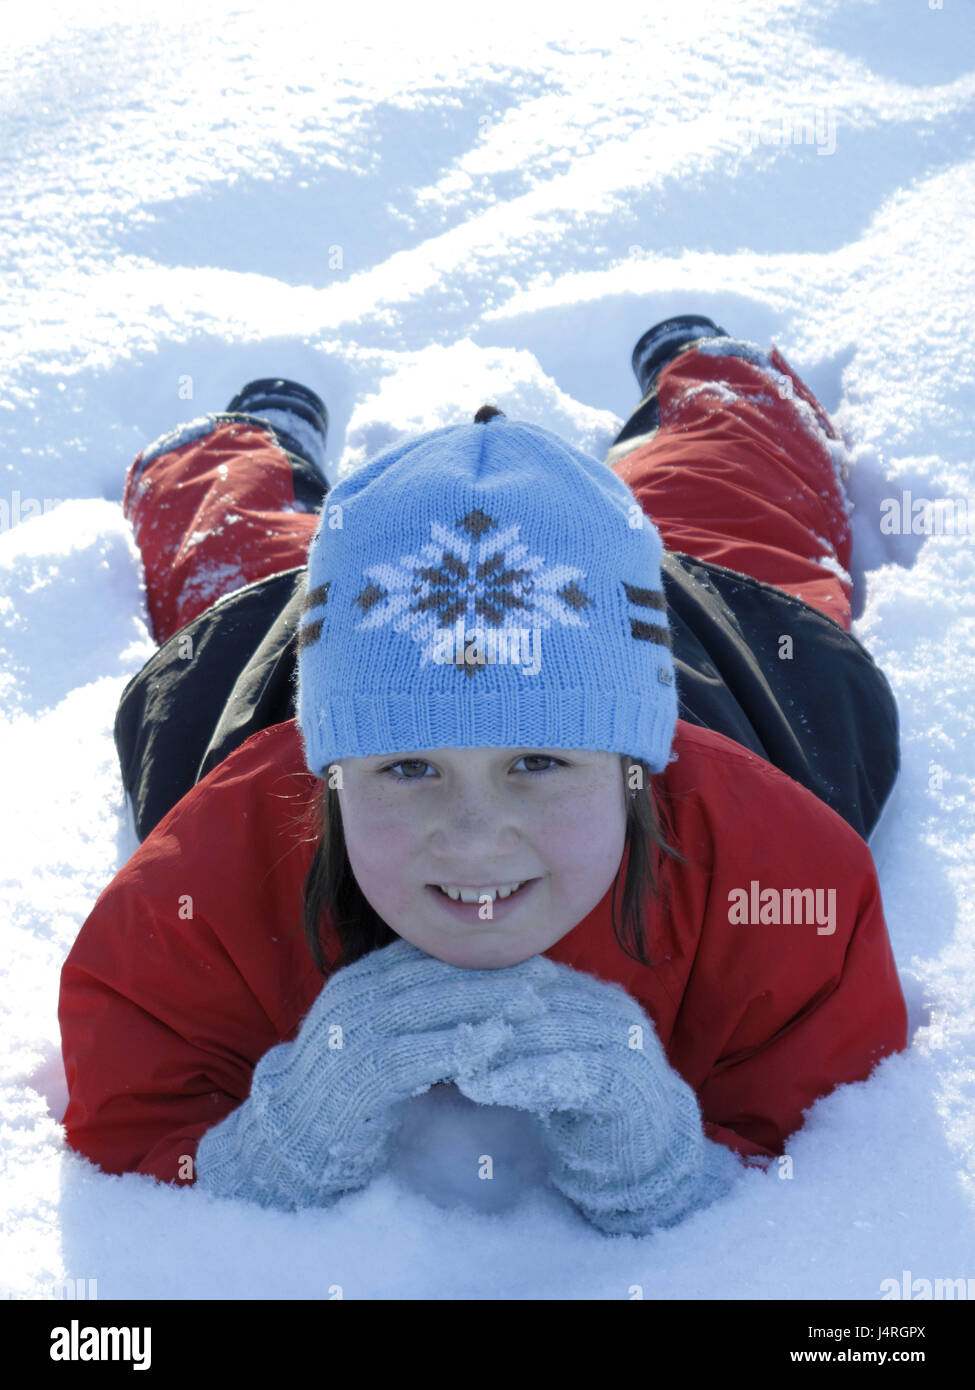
[[662, 342], [297, 415]]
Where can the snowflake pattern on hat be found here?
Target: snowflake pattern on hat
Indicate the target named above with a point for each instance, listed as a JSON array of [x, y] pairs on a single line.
[[467, 576]]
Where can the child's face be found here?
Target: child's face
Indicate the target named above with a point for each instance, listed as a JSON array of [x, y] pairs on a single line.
[[480, 818]]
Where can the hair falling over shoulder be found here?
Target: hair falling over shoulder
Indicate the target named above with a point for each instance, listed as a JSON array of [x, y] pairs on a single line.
[[332, 893]]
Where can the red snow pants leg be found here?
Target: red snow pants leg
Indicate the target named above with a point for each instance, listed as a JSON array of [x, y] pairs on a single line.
[[213, 508], [735, 462], [736, 467]]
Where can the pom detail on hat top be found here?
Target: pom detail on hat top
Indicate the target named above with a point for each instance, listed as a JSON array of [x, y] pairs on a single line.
[[486, 413]]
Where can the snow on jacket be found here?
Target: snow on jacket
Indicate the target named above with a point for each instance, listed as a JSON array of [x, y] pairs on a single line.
[[193, 962]]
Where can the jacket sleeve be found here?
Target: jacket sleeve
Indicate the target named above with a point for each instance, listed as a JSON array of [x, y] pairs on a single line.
[[779, 1014], [160, 1034]]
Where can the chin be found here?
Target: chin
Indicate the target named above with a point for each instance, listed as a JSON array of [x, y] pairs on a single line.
[[472, 955]]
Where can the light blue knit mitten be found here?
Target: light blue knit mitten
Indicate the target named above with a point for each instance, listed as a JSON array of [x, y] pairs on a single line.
[[323, 1109], [621, 1129]]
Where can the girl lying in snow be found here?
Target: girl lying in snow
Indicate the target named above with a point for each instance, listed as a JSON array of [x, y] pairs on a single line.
[[445, 838]]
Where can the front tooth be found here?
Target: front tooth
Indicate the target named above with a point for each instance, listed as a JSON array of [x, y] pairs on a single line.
[[473, 895]]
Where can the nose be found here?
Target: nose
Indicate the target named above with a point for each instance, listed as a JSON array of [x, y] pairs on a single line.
[[475, 826]]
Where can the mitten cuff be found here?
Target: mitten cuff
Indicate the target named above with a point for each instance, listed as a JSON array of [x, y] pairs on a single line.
[[291, 1144], [712, 1176], [234, 1159]]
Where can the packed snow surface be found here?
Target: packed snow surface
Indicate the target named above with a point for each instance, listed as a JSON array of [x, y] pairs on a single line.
[[414, 217]]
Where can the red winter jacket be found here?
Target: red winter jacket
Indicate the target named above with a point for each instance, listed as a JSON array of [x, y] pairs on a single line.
[[193, 962]]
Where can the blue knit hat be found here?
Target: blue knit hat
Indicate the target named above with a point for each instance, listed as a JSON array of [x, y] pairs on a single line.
[[484, 585]]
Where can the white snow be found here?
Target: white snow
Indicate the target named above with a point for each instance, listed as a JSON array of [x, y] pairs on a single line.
[[416, 217]]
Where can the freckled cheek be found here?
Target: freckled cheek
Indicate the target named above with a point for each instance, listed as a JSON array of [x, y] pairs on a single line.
[[382, 847], [581, 839]]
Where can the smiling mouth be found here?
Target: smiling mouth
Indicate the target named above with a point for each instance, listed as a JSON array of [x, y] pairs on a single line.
[[477, 895]]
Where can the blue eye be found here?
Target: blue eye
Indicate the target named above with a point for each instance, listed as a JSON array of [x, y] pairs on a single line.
[[407, 762], [420, 762], [540, 758]]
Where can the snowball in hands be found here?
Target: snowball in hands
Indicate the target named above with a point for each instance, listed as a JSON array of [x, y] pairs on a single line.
[[323, 1108], [621, 1130]]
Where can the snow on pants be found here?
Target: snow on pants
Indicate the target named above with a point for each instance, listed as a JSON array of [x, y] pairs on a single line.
[[728, 453]]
